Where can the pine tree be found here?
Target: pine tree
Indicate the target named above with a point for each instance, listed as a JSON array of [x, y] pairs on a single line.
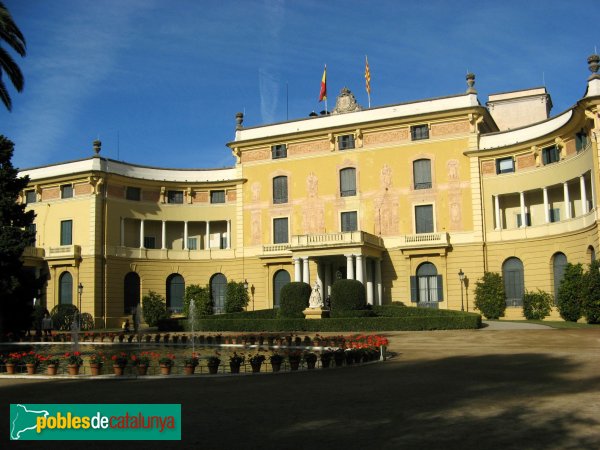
[[14, 237]]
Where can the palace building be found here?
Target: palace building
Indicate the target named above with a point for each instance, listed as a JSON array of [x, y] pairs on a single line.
[[400, 197]]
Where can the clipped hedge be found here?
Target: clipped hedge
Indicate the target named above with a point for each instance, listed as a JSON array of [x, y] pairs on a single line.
[[294, 299], [62, 316], [347, 295]]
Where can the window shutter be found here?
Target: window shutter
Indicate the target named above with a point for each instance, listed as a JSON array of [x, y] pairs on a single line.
[[414, 297], [348, 182], [440, 288]]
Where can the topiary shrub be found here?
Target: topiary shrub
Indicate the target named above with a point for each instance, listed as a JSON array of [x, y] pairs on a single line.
[[236, 297], [591, 297], [202, 301], [570, 295], [87, 321], [294, 299], [347, 295], [154, 308], [489, 295], [536, 305], [62, 316]]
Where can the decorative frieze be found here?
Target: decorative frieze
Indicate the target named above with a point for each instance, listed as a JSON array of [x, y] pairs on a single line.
[[82, 189], [256, 155], [446, 128], [231, 195], [525, 161], [488, 168], [115, 191], [384, 137], [51, 193], [306, 148]]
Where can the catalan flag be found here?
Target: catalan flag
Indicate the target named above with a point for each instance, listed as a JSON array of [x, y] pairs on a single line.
[[367, 76], [323, 94]]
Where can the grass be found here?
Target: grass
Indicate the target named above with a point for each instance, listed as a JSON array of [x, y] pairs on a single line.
[[559, 324]]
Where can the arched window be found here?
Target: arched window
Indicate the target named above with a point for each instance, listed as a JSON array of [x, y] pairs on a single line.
[[591, 251], [175, 292], [218, 285], [281, 278], [422, 173], [280, 189], [65, 289], [348, 182], [559, 262], [131, 292], [427, 286], [514, 286]]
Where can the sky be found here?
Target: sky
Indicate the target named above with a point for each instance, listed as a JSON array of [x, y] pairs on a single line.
[[159, 81]]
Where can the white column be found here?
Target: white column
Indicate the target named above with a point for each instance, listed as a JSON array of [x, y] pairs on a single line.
[[360, 274], [163, 245], [297, 270], [584, 205], [523, 211], [369, 265], [350, 267], [546, 206], [229, 234], [142, 233], [305, 270], [320, 277], [379, 299], [122, 232], [327, 288], [185, 235], [497, 211], [593, 191], [207, 234], [567, 200]]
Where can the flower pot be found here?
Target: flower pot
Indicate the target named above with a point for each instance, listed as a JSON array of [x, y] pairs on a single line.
[[311, 364], [256, 367], [189, 370], [118, 370], [31, 368], [142, 369], [325, 363], [10, 368], [73, 369], [276, 366], [294, 365], [235, 368], [95, 369], [51, 369], [213, 368], [165, 369]]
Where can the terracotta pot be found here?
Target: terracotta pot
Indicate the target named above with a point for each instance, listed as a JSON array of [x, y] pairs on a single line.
[[325, 363], [165, 369], [276, 366], [31, 368], [73, 369], [118, 370], [294, 365], [51, 369], [235, 368], [95, 369], [10, 368], [311, 364], [189, 370], [256, 367], [142, 369], [214, 368]]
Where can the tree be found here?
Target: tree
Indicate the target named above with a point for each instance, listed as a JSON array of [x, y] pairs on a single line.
[[14, 237], [236, 297], [591, 297], [203, 304], [489, 295], [570, 295], [154, 307], [11, 35]]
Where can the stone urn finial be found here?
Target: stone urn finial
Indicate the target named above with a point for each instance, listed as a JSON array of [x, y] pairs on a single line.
[[97, 147], [239, 120], [471, 83], [594, 64]]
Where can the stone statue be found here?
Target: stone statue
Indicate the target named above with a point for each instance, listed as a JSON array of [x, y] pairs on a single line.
[[315, 300]]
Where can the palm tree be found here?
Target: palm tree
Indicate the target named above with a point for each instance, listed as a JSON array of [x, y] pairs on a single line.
[[10, 33]]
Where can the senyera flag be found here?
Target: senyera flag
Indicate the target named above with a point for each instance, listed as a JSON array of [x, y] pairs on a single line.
[[323, 94], [367, 76]]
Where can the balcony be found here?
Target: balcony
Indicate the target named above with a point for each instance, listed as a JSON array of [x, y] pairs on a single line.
[[341, 239], [169, 254], [64, 252], [425, 240], [34, 253]]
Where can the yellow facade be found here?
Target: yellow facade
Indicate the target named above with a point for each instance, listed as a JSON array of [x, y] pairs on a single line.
[[401, 197]]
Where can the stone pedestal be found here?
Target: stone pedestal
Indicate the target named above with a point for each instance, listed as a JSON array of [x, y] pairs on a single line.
[[315, 313]]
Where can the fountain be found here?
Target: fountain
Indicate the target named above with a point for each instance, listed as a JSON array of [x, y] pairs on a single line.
[[191, 319], [75, 328], [137, 317]]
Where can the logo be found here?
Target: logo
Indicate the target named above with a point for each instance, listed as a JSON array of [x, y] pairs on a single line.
[[95, 422]]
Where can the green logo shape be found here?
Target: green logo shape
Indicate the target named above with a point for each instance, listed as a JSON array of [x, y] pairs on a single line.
[[57, 422]]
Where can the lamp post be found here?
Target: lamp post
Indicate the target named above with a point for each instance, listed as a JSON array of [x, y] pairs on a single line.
[[461, 276], [80, 292]]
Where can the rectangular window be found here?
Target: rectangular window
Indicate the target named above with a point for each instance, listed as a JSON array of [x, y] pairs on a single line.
[[581, 141], [505, 165], [422, 173], [346, 142], [66, 191], [149, 242], [192, 243], [550, 155], [217, 196], [30, 196], [554, 214], [223, 241], [348, 182], [419, 132], [424, 219], [33, 230], [280, 231], [280, 190], [349, 221], [520, 220], [279, 151], [66, 232], [174, 196], [133, 193]]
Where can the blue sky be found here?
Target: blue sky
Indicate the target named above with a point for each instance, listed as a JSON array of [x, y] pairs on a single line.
[[159, 82]]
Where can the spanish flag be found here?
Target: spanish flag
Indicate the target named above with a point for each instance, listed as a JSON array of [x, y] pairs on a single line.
[[323, 94], [367, 76]]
